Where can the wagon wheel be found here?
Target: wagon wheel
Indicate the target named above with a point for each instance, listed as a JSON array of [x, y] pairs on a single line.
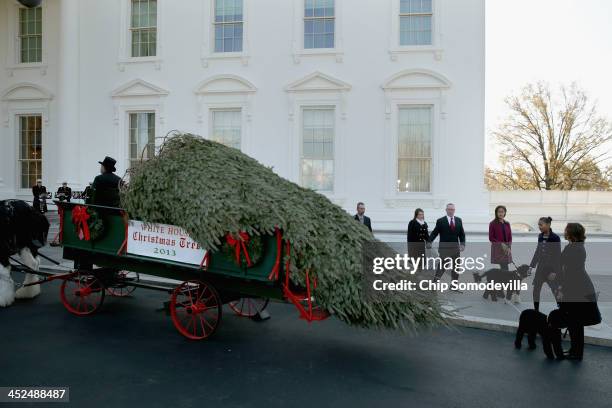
[[195, 308], [123, 287], [82, 294], [249, 306]]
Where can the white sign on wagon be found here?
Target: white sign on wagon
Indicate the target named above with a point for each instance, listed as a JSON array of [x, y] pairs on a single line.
[[164, 242]]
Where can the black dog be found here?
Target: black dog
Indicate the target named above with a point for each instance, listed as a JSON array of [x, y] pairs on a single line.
[[501, 276], [533, 323]]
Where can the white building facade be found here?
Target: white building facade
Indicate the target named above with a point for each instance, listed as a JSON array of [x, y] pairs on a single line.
[[380, 101]]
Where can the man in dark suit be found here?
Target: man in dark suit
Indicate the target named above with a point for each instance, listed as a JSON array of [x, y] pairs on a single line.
[[105, 187], [86, 195], [361, 217], [64, 193], [452, 240], [40, 196]]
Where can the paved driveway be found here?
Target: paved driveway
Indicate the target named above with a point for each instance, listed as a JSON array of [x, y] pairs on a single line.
[[130, 355]]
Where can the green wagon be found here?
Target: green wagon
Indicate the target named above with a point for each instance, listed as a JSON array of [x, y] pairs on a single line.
[[111, 252]]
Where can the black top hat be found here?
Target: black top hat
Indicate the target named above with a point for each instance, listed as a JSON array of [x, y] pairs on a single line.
[[109, 164]]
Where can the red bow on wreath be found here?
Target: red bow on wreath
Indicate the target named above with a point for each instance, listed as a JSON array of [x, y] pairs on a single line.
[[79, 218], [239, 245]]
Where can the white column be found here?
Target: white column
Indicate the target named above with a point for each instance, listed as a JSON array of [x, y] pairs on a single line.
[[68, 90]]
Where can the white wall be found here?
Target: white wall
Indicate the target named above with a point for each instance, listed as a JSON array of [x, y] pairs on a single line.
[[40, 99], [366, 122]]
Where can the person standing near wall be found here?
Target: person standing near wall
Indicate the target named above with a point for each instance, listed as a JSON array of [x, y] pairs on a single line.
[[40, 196], [64, 193], [361, 217], [576, 295], [417, 235], [500, 237], [87, 193], [546, 258], [452, 241]]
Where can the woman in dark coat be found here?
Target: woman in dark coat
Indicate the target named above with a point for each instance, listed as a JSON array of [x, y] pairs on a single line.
[[546, 258], [576, 295], [500, 236], [417, 235]]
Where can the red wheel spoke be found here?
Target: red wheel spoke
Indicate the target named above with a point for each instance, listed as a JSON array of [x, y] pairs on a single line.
[[82, 294], [203, 292], [183, 304], [208, 324], [88, 305], [202, 326], [189, 322], [193, 325], [194, 301], [248, 307], [207, 299], [191, 296], [122, 286]]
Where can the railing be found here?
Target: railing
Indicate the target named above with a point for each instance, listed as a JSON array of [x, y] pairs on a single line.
[[593, 208]]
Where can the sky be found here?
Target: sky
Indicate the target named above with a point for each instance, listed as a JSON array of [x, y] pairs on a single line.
[[559, 41]]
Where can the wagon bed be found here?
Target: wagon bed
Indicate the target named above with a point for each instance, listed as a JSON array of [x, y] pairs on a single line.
[[104, 264], [110, 251]]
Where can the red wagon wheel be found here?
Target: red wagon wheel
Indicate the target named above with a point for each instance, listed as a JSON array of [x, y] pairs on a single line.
[[123, 287], [195, 308], [82, 294], [249, 307]]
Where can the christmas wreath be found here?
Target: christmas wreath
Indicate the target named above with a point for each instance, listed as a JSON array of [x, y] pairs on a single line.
[[244, 249], [96, 224], [89, 225]]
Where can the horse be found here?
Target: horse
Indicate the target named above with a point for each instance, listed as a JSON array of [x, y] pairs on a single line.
[[23, 231]]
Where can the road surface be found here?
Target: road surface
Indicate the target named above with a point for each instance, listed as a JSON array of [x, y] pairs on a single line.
[[130, 355]]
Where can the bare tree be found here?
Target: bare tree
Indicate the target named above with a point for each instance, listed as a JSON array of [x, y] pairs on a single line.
[[552, 142]]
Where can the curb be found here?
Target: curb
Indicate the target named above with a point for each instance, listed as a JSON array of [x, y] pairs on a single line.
[[506, 326]]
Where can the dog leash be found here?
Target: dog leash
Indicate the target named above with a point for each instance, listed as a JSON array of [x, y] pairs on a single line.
[[515, 271]]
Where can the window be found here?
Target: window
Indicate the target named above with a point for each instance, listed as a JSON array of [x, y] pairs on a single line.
[[228, 25], [414, 149], [415, 22], [227, 127], [143, 28], [319, 21], [30, 35], [317, 161], [142, 136], [30, 149]]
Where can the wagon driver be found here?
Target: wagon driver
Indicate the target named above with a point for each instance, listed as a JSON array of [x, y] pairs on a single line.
[[105, 187]]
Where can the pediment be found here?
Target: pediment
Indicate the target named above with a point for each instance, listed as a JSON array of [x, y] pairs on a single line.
[[139, 87], [26, 91], [415, 78], [225, 84], [318, 81]]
